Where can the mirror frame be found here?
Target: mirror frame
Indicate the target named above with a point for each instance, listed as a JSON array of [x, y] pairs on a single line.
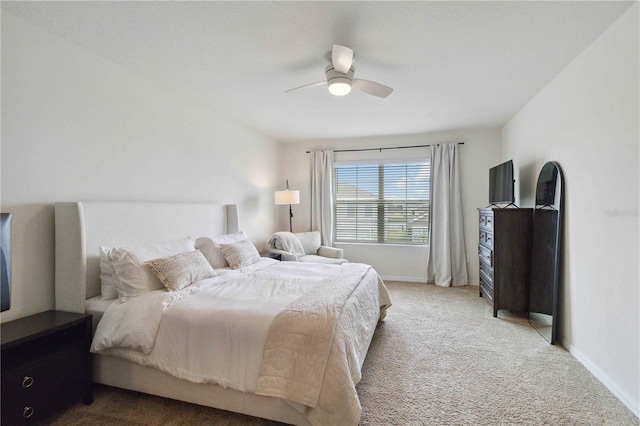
[[547, 236]]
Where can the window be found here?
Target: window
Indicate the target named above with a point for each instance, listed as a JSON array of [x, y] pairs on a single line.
[[382, 203]]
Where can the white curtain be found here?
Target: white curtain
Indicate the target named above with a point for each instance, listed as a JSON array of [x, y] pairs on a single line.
[[447, 260], [322, 195]]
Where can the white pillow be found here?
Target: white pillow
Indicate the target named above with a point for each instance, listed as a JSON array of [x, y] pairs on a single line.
[[210, 247], [132, 277], [240, 254], [108, 288], [181, 270]]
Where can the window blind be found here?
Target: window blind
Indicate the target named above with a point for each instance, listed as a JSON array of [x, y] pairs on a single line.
[[382, 202]]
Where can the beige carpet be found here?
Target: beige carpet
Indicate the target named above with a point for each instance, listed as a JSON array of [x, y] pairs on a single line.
[[440, 358]]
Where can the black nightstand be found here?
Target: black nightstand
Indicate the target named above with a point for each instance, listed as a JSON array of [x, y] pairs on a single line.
[[276, 256], [46, 365]]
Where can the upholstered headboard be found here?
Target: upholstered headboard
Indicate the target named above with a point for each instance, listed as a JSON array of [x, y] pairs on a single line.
[[83, 227]]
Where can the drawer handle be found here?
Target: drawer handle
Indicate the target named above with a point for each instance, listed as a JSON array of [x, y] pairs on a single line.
[[28, 412], [27, 381]]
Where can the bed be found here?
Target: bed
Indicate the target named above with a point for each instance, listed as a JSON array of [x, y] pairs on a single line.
[[331, 351]]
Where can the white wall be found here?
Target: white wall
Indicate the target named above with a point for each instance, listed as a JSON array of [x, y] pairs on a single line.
[[480, 151], [587, 120], [77, 127]]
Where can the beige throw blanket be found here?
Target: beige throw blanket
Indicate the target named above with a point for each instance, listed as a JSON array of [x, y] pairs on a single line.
[[299, 340]]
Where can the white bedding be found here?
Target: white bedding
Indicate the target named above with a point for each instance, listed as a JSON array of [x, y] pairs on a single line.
[[96, 307], [214, 331]]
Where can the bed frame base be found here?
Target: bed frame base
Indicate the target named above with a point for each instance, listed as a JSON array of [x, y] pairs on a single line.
[[120, 373]]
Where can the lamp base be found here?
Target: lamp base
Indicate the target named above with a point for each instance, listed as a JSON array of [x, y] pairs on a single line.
[[290, 219]]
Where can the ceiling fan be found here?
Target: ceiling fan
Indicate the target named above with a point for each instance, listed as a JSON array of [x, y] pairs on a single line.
[[339, 76]]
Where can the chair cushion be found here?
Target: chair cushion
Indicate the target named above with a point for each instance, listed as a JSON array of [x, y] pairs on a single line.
[[310, 241]]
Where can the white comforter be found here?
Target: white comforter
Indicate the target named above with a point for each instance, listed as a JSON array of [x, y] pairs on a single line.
[[215, 330]]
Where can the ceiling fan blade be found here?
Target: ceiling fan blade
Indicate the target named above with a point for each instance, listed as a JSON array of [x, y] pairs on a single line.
[[372, 88], [342, 58], [317, 83]]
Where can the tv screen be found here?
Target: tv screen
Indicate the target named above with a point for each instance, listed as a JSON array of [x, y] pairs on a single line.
[[5, 261], [501, 184]]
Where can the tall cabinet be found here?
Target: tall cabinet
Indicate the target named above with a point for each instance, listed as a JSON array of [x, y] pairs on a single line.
[[505, 257]]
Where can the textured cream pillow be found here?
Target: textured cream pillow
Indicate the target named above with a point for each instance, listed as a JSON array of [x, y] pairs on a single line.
[[132, 277], [210, 247], [240, 254], [180, 270]]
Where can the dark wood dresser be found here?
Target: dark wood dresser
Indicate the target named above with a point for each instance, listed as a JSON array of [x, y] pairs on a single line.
[[505, 257], [46, 365]]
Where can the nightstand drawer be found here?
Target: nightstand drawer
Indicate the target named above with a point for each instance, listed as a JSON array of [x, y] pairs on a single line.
[[57, 369], [40, 405], [33, 392]]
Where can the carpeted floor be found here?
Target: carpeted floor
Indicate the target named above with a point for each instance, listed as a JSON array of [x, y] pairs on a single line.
[[439, 358]]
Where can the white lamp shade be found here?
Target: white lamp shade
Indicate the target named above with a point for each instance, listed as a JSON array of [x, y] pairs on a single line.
[[287, 197]]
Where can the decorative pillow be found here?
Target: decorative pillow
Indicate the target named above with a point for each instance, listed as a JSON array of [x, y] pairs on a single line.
[[240, 254], [210, 247], [108, 288], [180, 270], [132, 277]]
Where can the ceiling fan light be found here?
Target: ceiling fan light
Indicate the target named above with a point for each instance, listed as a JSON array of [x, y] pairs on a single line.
[[339, 86]]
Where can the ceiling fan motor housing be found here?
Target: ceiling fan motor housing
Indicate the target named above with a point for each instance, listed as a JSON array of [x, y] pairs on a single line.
[[339, 83]]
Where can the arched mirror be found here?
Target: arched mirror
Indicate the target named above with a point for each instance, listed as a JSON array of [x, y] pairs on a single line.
[[545, 263]]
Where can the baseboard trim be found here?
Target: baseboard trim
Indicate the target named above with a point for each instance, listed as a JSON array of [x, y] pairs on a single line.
[[415, 279], [603, 378], [405, 279]]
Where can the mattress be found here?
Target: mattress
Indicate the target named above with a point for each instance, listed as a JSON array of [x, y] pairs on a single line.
[[97, 306]]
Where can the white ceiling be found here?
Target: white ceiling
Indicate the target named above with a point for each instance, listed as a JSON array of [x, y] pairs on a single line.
[[452, 64]]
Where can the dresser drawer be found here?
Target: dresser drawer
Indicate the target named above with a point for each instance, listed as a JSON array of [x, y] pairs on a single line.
[[485, 255], [486, 288], [486, 274], [486, 221], [486, 239]]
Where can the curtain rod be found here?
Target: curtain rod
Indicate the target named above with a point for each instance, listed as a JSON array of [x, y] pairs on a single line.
[[383, 148]]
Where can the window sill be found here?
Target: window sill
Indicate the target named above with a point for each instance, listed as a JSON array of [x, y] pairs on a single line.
[[379, 244]]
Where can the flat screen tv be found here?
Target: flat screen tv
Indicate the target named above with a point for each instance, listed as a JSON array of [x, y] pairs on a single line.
[[5, 261], [501, 184]]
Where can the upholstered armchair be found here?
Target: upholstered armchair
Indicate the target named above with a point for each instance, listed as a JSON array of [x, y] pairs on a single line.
[[303, 247]]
